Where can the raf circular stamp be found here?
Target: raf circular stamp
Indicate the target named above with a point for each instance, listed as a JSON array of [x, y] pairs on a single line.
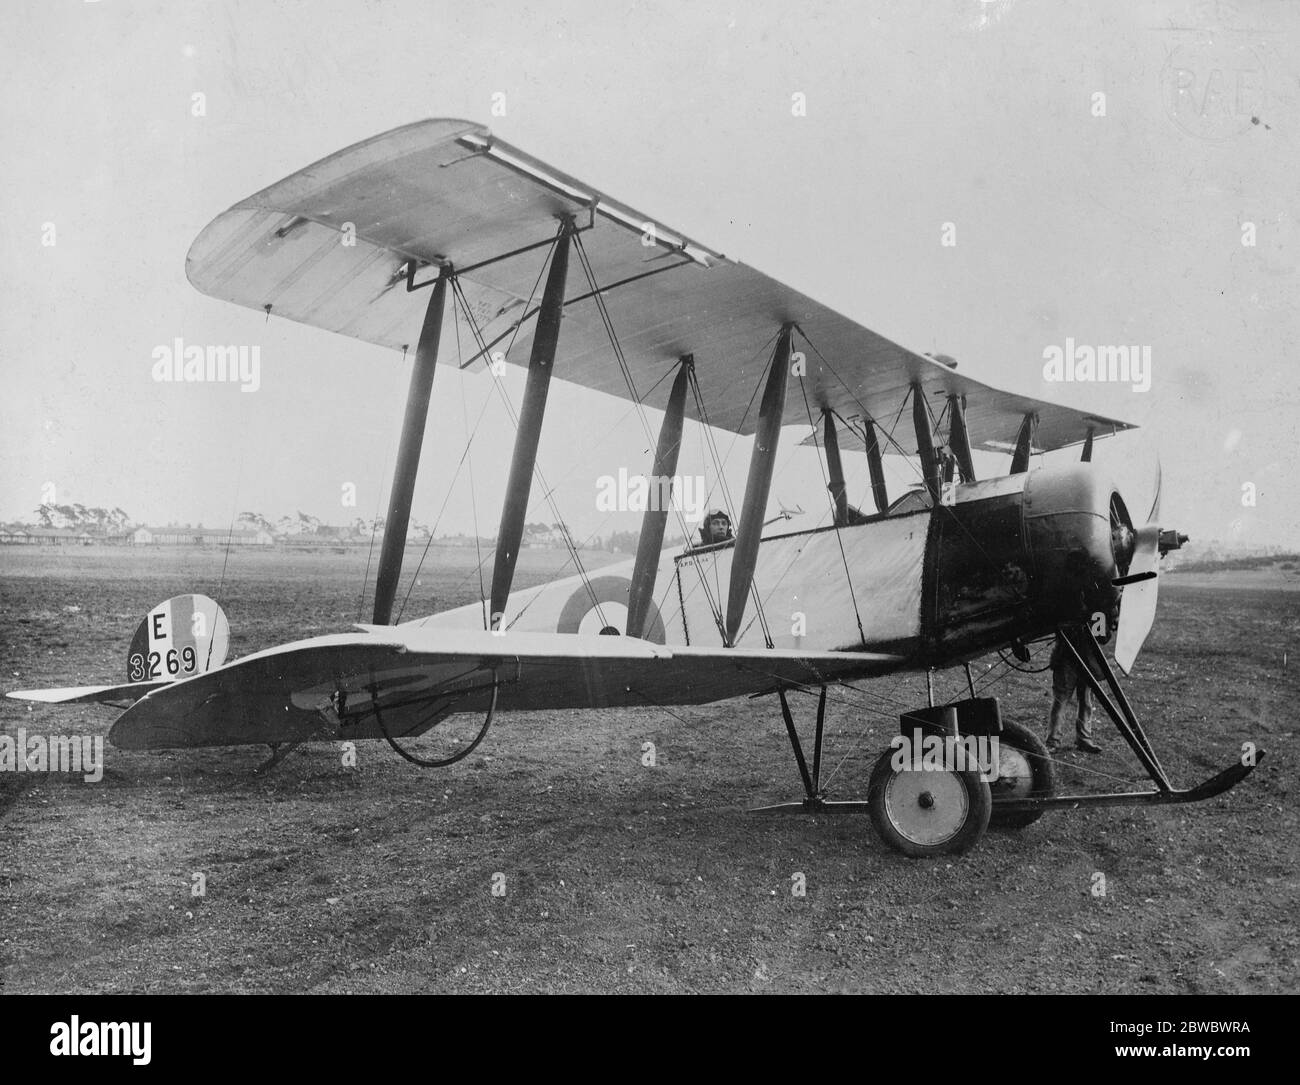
[[1215, 89]]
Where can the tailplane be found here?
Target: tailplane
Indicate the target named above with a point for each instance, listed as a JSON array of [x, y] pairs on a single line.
[[185, 636]]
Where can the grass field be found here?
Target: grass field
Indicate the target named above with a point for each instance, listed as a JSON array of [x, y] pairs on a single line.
[[618, 876]]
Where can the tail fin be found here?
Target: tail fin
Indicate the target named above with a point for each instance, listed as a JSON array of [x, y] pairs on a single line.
[[185, 636], [178, 639]]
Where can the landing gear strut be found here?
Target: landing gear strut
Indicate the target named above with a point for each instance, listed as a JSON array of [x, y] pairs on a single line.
[[919, 813], [1091, 662]]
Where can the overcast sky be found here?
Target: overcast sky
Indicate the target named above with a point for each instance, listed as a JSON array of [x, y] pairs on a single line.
[[1115, 221]]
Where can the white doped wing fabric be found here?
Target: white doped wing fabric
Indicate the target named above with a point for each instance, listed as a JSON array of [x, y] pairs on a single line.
[[330, 246]]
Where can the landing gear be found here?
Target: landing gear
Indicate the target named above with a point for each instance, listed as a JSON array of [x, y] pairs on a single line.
[[943, 806], [927, 812], [1024, 771], [921, 812]]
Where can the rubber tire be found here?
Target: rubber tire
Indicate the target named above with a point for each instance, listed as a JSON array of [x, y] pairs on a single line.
[[979, 807], [1040, 765]]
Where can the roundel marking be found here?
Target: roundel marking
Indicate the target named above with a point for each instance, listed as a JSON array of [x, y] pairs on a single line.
[[606, 589]]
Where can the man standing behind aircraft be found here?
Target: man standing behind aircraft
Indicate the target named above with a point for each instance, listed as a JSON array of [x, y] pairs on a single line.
[[1067, 682]]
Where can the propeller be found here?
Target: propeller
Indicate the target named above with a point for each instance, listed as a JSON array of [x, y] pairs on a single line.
[[1138, 605]]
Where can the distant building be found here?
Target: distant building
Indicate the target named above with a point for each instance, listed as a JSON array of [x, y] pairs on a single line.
[[326, 535], [198, 536], [57, 536], [551, 539], [21, 535]]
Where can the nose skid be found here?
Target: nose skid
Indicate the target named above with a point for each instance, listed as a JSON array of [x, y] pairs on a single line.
[[1070, 533], [1092, 665]]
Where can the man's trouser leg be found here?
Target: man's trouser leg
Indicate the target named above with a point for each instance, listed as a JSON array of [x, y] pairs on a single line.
[[1083, 725], [1062, 692]]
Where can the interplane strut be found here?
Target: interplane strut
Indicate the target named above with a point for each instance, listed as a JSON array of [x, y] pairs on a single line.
[[540, 364], [408, 452], [767, 436], [656, 514]]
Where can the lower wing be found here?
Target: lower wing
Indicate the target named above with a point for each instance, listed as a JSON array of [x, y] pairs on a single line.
[[335, 687]]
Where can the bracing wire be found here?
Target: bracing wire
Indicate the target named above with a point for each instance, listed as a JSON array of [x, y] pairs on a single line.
[[537, 471]]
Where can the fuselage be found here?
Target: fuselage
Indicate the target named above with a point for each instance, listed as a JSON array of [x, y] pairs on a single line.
[[1007, 559]]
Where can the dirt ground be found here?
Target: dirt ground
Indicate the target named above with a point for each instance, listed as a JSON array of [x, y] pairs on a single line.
[[615, 876]]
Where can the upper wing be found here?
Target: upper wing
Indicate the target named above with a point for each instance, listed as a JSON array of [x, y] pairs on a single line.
[[330, 246], [292, 692]]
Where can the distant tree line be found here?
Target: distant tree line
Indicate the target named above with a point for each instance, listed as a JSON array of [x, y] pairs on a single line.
[[116, 521], [97, 520]]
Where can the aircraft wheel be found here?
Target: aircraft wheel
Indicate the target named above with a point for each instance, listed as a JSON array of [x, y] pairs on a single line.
[[925, 813], [1025, 769]]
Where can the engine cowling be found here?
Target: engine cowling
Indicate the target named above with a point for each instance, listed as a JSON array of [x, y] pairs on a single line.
[[1080, 539]]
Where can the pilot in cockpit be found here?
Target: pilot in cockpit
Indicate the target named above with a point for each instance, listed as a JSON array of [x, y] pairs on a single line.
[[716, 528]]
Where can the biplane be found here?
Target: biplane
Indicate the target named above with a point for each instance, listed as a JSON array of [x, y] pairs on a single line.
[[381, 240]]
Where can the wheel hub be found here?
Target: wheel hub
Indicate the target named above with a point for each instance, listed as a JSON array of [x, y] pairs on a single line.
[[927, 807], [1015, 778]]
